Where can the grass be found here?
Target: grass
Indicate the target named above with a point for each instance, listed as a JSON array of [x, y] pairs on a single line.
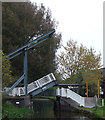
[[48, 97], [99, 112], [11, 111]]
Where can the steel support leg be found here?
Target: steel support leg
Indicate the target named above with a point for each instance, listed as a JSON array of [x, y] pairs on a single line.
[[25, 71]]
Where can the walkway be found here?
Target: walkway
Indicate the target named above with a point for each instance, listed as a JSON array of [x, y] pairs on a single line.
[[89, 102], [75, 99]]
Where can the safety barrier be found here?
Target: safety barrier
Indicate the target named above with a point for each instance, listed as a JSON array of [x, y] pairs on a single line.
[[40, 83], [18, 91], [67, 93]]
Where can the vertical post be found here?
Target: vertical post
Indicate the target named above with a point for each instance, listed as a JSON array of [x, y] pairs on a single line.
[[87, 87], [98, 88], [25, 71], [96, 101], [60, 92], [102, 102]]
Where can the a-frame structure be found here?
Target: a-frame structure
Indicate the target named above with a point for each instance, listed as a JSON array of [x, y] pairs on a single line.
[[24, 50]]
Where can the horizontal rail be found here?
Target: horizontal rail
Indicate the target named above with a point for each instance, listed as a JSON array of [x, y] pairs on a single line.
[[68, 85], [41, 83], [67, 93]]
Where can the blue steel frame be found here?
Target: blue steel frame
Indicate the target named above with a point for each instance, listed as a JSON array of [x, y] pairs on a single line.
[[24, 50], [15, 53], [45, 87], [16, 83], [25, 71]]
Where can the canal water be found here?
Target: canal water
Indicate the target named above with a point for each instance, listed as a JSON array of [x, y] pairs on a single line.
[[44, 108]]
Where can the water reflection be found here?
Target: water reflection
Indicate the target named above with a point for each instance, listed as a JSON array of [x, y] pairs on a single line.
[[44, 108]]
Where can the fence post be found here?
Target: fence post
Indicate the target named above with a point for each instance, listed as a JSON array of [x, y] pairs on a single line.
[[18, 91], [61, 92], [95, 97], [66, 93], [102, 102]]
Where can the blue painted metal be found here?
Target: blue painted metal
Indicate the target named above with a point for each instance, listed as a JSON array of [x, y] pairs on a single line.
[[28, 44], [37, 43], [28, 48], [16, 83], [41, 89], [25, 71], [24, 49], [15, 55], [36, 92], [49, 85], [64, 85]]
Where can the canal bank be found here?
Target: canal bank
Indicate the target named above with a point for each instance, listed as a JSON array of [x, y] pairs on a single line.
[[49, 107], [10, 111], [17, 107], [45, 108], [63, 104]]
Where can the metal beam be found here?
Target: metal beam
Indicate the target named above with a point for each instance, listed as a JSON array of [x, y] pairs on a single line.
[[25, 71], [15, 55], [28, 44], [27, 48], [37, 43], [24, 49], [62, 85], [44, 88], [16, 83]]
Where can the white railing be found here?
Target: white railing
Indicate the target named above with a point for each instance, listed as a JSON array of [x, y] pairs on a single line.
[[65, 92], [41, 82], [46, 79], [19, 91], [32, 86]]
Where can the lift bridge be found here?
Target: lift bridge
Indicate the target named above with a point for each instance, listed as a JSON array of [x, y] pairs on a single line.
[[37, 86], [42, 84]]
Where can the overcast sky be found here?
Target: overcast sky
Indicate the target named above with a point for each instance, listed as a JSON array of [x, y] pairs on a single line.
[[80, 20]]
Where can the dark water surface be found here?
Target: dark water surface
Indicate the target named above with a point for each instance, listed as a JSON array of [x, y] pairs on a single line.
[[44, 108]]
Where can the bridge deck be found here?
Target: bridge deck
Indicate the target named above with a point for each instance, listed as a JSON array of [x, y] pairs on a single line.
[[35, 87]]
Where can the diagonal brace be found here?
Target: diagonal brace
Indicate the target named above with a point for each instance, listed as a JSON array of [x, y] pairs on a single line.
[[16, 83]]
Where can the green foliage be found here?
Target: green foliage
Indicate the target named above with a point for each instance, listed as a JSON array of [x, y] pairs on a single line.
[[92, 78], [7, 78], [21, 23], [99, 112], [77, 58], [15, 112], [76, 64]]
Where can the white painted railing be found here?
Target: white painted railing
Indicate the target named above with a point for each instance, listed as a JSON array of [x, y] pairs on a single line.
[[41, 82], [19, 91], [65, 92]]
